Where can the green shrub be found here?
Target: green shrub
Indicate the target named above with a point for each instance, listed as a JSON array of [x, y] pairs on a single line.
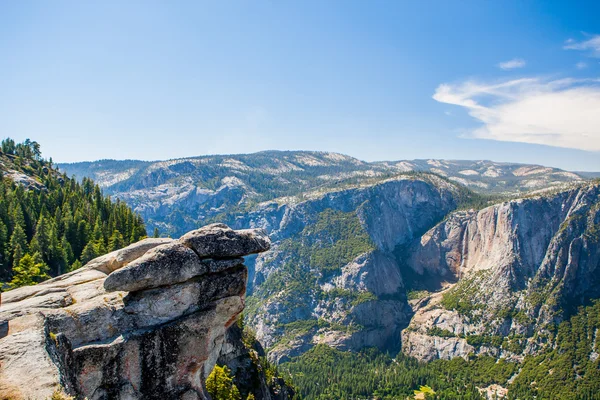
[[435, 331]]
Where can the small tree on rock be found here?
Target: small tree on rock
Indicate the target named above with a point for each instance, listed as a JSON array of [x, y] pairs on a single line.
[[220, 385]]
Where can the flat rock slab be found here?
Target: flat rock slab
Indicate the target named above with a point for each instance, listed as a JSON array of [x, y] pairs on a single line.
[[117, 259], [208, 250], [164, 266], [220, 241]]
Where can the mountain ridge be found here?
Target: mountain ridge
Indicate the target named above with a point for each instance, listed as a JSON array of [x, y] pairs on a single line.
[[181, 194], [273, 151]]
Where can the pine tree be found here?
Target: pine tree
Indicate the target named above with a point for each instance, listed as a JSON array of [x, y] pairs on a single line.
[[30, 271], [116, 241], [8, 146], [76, 265], [18, 244], [97, 233], [57, 257], [220, 386], [156, 233], [81, 235], [100, 247], [4, 259], [67, 250], [41, 239], [88, 253], [16, 213]]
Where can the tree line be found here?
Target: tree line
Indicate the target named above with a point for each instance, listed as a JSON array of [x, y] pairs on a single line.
[[568, 368], [58, 227]]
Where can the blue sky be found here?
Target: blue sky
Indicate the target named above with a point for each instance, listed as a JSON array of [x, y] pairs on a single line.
[[378, 80]]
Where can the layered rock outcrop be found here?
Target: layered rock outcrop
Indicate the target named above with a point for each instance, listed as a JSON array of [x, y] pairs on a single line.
[[507, 272], [147, 321]]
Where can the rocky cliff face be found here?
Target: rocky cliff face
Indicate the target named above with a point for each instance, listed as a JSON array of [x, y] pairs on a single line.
[[148, 321], [508, 274], [332, 276], [492, 281], [252, 373]]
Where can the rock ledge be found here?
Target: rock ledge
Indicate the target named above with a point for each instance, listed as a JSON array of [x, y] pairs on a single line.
[[147, 321]]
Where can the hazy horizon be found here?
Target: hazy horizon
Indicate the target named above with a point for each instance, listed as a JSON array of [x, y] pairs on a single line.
[[314, 151]]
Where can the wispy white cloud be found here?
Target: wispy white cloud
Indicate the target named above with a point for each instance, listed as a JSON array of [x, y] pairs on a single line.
[[562, 113], [512, 64], [581, 65], [592, 45]]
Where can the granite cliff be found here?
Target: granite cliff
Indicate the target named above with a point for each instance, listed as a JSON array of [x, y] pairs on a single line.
[[332, 276], [496, 281], [147, 321], [354, 268]]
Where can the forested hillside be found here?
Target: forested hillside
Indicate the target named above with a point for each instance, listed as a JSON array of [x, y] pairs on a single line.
[[50, 223], [567, 369]]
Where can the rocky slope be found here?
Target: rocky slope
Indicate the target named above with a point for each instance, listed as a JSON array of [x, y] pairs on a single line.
[[147, 321], [507, 274], [331, 276], [23, 172], [180, 195]]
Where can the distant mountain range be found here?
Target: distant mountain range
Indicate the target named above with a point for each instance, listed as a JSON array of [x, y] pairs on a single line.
[[179, 195], [589, 175]]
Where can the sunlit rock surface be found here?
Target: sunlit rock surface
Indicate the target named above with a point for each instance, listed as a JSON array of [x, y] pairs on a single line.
[[147, 321]]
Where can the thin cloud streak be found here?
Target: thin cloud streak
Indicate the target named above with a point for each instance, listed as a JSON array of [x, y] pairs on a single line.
[[512, 64], [592, 45], [560, 113]]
